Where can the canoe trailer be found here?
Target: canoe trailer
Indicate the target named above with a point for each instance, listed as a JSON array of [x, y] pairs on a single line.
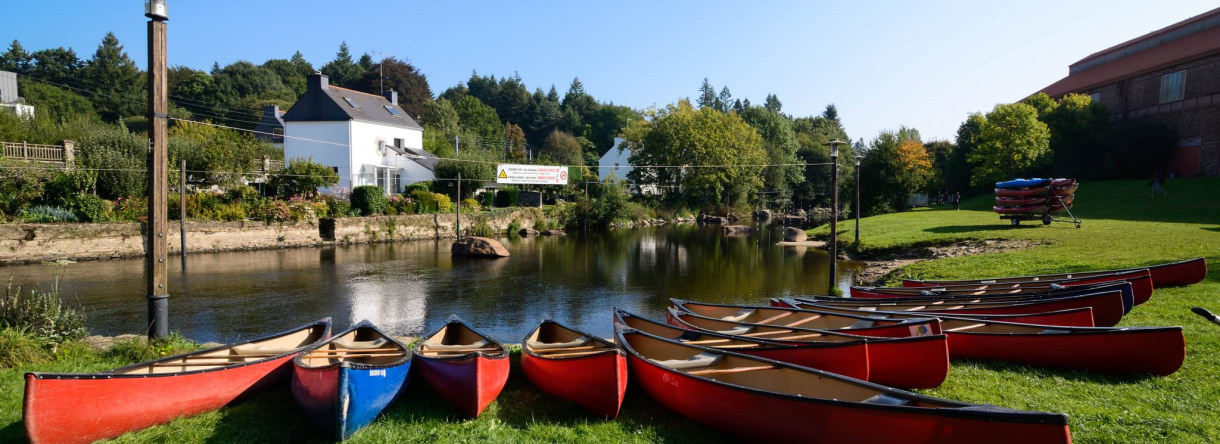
[[1045, 216]]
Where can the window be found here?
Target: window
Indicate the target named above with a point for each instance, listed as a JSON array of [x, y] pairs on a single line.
[[335, 169], [396, 185], [398, 143], [391, 109], [351, 102], [277, 134], [1173, 86], [1095, 97]]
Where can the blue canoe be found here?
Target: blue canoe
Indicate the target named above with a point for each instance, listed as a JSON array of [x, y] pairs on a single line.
[[344, 383], [1023, 183]]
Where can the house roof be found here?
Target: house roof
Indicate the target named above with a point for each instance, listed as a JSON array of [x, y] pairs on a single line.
[[325, 103], [1193, 38], [424, 158]]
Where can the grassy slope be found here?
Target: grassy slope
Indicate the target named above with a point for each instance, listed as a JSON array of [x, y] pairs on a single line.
[[1122, 227]]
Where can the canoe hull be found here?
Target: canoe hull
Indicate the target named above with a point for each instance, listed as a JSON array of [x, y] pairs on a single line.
[[1171, 274], [596, 382], [470, 384], [118, 404], [768, 418], [1108, 307], [347, 399], [916, 362], [1155, 350]]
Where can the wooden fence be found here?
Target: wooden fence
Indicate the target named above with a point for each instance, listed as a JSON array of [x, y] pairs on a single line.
[[39, 153]]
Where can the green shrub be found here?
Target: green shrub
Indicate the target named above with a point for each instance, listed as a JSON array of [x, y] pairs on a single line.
[[21, 184], [514, 227], [506, 197], [66, 185], [42, 314], [133, 208], [233, 212], [42, 214], [241, 194], [302, 177], [336, 207], [470, 204], [481, 228], [19, 347], [399, 204], [140, 349], [489, 200], [443, 204], [425, 201], [369, 200], [426, 186], [90, 208]]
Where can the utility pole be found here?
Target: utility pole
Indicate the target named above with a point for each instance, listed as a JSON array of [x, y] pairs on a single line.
[[155, 248], [834, 212], [182, 209], [457, 208], [856, 209]]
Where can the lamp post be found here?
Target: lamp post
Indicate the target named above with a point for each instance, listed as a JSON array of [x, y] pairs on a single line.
[[155, 248], [856, 209], [834, 211]]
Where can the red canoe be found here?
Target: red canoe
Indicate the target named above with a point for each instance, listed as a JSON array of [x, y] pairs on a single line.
[[1022, 192], [1140, 280], [763, 400], [86, 407], [1075, 317], [910, 362], [575, 366], [1156, 350], [1171, 274], [844, 355], [1108, 307], [838, 322], [1019, 201], [1023, 209], [465, 367]]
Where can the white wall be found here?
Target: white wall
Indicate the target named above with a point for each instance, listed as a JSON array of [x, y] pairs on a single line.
[[614, 162], [324, 153]]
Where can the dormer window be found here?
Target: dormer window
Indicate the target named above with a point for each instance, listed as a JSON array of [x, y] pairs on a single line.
[[351, 102], [393, 112]]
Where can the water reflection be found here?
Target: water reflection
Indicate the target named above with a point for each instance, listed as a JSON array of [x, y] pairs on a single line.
[[410, 288]]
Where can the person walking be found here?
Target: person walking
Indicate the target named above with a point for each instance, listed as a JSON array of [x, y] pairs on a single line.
[[957, 200], [1157, 183]]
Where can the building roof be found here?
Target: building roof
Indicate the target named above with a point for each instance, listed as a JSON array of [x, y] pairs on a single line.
[[1193, 38], [423, 158], [325, 103]]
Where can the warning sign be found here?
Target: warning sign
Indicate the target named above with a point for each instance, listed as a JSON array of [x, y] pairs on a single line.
[[531, 174]]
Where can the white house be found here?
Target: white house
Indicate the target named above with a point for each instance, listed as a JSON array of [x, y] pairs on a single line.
[[366, 138], [617, 163]]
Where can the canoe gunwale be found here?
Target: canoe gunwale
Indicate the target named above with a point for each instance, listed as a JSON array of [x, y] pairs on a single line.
[[680, 304], [494, 355], [764, 344], [614, 348], [325, 323], [914, 322], [298, 361], [1100, 272], [963, 410]]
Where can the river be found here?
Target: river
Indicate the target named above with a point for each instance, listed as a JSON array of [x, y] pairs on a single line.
[[412, 287]]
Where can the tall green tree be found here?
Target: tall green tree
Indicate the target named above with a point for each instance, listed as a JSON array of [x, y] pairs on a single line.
[[16, 59], [479, 118], [410, 83], [894, 167], [1013, 143], [1076, 125], [707, 95], [116, 79], [293, 72], [781, 146], [343, 71], [772, 103], [563, 148], [56, 65], [969, 136]]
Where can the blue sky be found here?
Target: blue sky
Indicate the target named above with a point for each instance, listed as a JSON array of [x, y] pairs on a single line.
[[882, 63]]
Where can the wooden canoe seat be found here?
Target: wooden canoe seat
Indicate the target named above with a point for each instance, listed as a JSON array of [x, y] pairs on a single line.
[[741, 314], [437, 346], [739, 330], [259, 349], [535, 345], [359, 345], [699, 360], [886, 399]]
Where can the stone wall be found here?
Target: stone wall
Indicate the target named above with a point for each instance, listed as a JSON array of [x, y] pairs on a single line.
[[26, 243]]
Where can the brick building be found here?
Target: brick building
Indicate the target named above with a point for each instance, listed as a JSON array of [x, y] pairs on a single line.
[[1171, 75]]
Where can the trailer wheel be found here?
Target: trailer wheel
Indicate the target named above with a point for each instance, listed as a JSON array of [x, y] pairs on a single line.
[[1015, 221], [1046, 219]]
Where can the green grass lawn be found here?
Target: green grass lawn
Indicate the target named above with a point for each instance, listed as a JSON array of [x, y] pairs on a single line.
[[1123, 227]]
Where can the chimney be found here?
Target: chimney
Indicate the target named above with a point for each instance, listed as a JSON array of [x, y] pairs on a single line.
[[318, 81], [392, 96], [272, 111]]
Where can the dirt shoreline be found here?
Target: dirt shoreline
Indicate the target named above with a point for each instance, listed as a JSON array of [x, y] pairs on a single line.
[[877, 269]]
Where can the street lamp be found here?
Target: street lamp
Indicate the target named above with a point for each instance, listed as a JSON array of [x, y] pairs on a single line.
[[156, 10], [856, 209], [834, 210], [155, 248]]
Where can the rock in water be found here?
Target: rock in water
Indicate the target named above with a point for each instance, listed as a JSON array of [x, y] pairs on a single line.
[[528, 232], [736, 229], [554, 233], [479, 246], [793, 234]]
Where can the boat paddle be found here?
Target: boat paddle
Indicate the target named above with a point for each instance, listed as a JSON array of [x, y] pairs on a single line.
[[1206, 314]]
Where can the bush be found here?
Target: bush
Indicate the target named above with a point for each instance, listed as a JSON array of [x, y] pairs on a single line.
[[66, 185], [132, 208], [233, 212], [21, 184], [42, 314], [443, 204], [425, 201], [19, 347], [398, 204], [336, 207], [369, 200], [140, 350], [426, 186], [302, 208], [506, 197], [470, 204], [242, 194], [302, 177], [514, 227], [481, 228], [90, 208], [44, 214]]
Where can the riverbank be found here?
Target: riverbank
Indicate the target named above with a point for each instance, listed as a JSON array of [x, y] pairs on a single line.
[[1122, 227], [34, 243]]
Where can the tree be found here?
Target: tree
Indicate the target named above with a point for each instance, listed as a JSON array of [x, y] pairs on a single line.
[[479, 118], [293, 72], [563, 148], [724, 101], [707, 95], [958, 171], [715, 148], [781, 145], [61, 104], [1013, 142], [941, 153], [342, 71], [772, 103], [1076, 123], [884, 172], [56, 65], [117, 79], [302, 177], [214, 156], [545, 116], [580, 104], [441, 116], [475, 164], [916, 165], [410, 83], [514, 141], [16, 59]]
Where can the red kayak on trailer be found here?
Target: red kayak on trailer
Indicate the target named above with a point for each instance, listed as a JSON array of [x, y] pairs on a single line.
[[1020, 201], [1140, 285], [855, 324], [576, 366], [465, 367], [841, 354], [1075, 317], [1022, 192], [1108, 307], [67, 408], [1021, 209], [1171, 274], [763, 400], [911, 362]]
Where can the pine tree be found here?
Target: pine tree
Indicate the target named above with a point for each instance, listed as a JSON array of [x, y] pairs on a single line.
[[723, 101], [343, 71], [707, 94], [16, 59], [116, 79], [773, 103]]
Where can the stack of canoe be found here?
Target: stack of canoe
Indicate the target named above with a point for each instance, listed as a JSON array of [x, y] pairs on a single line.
[[1034, 196]]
